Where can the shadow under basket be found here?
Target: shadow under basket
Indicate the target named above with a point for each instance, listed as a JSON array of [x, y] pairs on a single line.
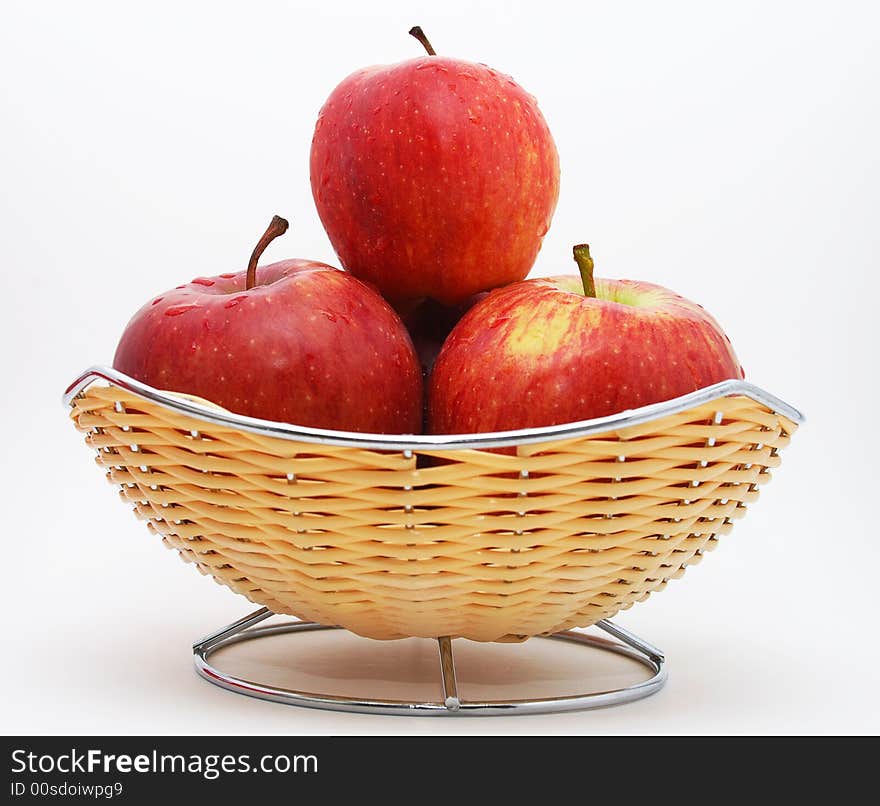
[[436, 536]]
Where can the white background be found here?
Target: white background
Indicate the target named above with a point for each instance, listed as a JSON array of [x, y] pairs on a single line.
[[726, 150]]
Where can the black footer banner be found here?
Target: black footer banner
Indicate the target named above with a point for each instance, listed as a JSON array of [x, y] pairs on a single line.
[[405, 768]]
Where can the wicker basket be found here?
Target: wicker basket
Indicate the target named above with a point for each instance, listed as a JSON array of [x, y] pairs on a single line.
[[392, 537]]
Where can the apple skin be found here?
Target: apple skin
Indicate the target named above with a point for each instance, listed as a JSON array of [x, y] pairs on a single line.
[[434, 177], [308, 345], [429, 324], [540, 353]]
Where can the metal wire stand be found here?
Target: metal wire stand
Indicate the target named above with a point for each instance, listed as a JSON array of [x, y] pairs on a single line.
[[245, 629]]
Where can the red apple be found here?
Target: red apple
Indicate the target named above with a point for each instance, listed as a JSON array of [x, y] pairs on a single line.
[[563, 349], [296, 341], [434, 177]]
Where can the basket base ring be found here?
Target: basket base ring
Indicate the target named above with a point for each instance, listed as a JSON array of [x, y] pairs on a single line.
[[245, 629]]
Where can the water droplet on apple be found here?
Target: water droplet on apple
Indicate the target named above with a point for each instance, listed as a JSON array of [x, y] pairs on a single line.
[[157, 300], [234, 301], [228, 275], [205, 281], [423, 66], [177, 310], [329, 315]]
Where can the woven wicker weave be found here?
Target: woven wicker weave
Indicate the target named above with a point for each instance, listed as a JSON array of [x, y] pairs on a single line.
[[465, 543]]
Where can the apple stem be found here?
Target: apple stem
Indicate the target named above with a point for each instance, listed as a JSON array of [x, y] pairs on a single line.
[[585, 266], [277, 226], [419, 34]]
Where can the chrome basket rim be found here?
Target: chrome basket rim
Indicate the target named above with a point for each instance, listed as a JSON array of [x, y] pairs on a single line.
[[429, 442]]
